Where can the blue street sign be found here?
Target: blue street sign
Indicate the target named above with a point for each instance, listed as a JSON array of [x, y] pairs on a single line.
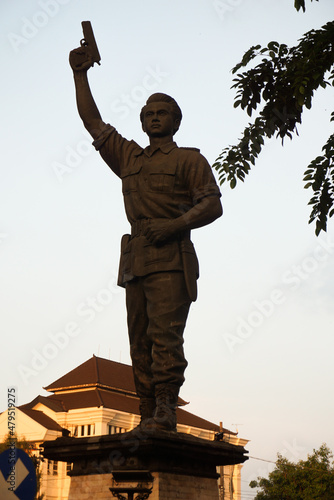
[[17, 475]]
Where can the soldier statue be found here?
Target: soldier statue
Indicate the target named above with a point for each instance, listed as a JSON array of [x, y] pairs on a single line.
[[168, 191]]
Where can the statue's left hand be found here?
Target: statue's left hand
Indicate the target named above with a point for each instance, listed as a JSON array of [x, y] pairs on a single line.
[[159, 231]]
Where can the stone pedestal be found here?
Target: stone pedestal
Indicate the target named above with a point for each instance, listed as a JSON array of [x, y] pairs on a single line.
[[144, 464]]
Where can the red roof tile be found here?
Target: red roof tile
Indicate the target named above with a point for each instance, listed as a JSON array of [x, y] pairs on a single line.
[[54, 404], [98, 397], [42, 419], [96, 371], [186, 418]]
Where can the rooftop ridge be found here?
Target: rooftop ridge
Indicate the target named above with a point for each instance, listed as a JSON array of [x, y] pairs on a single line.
[[93, 385]]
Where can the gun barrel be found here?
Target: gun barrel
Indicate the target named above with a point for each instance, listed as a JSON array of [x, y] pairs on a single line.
[[89, 40]]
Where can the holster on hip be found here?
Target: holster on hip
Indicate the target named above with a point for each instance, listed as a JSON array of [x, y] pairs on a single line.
[[190, 267], [124, 263]]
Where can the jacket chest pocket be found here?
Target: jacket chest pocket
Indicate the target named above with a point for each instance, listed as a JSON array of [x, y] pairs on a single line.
[[162, 178], [130, 178]]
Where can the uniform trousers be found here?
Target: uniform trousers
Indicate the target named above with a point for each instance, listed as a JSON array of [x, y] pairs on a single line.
[[157, 308]]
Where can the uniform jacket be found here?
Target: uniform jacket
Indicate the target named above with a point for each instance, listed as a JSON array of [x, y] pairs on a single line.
[[160, 184]]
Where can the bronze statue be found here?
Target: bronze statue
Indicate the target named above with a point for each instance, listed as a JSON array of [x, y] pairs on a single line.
[[168, 191]]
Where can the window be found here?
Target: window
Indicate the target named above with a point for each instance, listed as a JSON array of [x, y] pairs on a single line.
[[52, 468], [112, 429], [84, 430], [55, 468], [68, 467], [90, 429]]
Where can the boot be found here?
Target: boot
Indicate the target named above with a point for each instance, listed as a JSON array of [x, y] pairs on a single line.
[[147, 409], [165, 412]]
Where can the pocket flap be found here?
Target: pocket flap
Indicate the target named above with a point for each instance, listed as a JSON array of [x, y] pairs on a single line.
[[131, 170], [163, 169]]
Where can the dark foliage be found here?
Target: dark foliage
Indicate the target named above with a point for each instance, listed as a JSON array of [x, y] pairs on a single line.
[[284, 83]]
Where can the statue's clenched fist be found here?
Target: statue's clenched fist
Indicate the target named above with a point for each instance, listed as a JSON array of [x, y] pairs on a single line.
[[81, 59]]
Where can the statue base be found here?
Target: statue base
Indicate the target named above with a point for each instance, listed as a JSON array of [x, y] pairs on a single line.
[[144, 464]]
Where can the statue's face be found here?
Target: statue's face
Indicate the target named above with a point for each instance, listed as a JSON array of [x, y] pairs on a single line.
[[158, 120]]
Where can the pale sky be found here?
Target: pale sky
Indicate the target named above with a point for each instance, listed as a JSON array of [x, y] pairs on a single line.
[[259, 339]]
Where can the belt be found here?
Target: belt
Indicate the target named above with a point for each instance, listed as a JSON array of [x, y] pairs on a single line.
[[139, 226]]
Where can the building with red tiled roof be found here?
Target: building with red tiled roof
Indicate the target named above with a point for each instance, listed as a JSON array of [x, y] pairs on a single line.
[[97, 397], [96, 372]]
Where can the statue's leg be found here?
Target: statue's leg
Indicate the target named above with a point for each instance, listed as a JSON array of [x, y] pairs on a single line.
[[140, 343], [167, 309]]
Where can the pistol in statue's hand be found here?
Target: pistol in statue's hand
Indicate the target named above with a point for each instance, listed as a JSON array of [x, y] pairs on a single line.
[[84, 57]]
